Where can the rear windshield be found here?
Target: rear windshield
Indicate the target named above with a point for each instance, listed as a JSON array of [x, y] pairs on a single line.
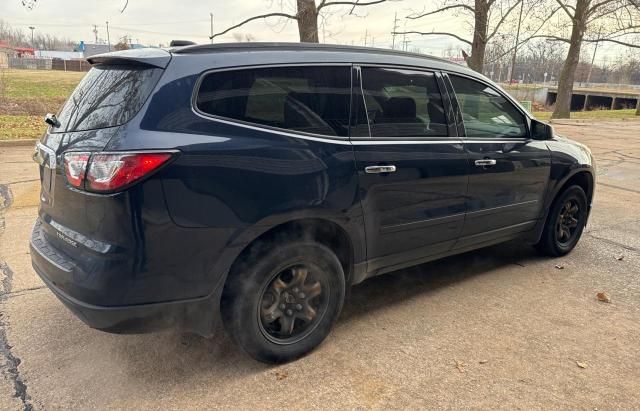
[[107, 96]]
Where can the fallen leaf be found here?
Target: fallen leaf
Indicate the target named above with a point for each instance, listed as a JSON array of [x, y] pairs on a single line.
[[581, 364], [620, 257], [604, 297], [560, 266], [460, 366], [483, 361], [281, 375]]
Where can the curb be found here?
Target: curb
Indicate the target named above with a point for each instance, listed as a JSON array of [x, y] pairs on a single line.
[[569, 121], [18, 143]]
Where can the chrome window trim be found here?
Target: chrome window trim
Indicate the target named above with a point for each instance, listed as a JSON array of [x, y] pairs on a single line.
[[257, 126], [347, 140]]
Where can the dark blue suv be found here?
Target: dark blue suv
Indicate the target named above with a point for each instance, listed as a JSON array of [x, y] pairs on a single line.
[[256, 182]]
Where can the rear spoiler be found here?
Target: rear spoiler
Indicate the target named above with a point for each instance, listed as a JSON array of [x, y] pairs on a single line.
[[149, 57]]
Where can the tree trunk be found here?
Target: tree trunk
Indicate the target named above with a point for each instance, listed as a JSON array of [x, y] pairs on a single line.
[[479, 45], [638, 107], [307, 21], [567, 75]]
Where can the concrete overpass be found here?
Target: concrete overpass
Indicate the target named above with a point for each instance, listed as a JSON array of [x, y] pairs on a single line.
[[597, 99]]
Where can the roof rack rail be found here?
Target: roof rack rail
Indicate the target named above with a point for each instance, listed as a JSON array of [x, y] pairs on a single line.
[[206, 48]]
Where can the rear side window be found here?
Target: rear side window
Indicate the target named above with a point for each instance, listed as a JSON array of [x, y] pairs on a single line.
[[401, 103], [109, 95], [307, 99], [485, 112]]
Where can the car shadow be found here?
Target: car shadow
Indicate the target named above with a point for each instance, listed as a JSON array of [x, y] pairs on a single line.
[[382, 291], [386, 290], [195, 358]]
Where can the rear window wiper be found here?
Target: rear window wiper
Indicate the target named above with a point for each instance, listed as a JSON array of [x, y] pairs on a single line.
[[52, 120]]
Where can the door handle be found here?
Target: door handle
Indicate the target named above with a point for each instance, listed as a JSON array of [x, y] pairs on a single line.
[[379, 169], [485, 162]]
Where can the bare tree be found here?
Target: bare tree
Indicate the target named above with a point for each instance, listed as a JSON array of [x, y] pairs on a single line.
[[488, 16], [18, 38], [592, 21], [306, 16]]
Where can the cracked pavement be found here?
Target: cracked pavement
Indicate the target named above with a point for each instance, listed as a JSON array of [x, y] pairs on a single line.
[[495, 328]]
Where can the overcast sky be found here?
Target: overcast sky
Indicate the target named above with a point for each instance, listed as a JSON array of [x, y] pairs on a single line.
[[159, 21]]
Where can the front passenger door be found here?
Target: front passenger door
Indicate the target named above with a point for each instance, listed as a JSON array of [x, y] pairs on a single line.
[[509, 170]]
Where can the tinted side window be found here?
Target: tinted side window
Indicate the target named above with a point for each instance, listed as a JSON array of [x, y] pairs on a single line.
[[485, 113], [308, 99], [401, 103]]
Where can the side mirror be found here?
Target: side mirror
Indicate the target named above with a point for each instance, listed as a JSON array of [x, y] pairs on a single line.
[[540, 130]]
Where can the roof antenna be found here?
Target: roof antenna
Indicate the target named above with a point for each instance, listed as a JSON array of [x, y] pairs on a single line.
[[178, 43]]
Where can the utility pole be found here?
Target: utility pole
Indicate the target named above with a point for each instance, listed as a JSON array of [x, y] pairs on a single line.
[[211, 37], [32, 28], [593, 59], [366, 33], [405, 43], [395, 29], [108, 39], [515, 47], [95, 32]]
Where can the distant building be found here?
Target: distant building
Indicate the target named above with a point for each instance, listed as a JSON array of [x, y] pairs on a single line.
[[458, 60], [5, 52], [93, 49]]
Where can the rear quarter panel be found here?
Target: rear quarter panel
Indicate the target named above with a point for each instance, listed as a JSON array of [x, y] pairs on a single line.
[[232, 183]]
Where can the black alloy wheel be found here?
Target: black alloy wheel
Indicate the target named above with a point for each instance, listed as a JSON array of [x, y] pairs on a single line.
[[282, 302], [292, 304], [565, 222]]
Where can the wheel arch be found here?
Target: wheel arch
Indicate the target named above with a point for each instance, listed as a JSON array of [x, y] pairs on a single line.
[[583, 178], [323, 231]]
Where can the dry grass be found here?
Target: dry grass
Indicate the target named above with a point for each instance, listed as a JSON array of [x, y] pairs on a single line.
[[19, 127], [27, 95], [595, 114], [24, 84]]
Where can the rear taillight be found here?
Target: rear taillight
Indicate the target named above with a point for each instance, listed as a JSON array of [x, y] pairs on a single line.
[[109, 172], [75, 166]]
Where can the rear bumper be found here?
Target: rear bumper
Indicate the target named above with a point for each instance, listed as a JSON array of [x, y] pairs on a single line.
[[197, 315]]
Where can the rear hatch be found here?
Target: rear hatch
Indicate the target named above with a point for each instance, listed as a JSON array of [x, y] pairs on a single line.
[[109, 96]]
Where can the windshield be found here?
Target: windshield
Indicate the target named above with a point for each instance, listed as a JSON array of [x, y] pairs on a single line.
[[107, 96]]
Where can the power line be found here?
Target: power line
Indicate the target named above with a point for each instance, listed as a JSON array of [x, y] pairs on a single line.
[[158, 32], [74, 24], [395, 29]]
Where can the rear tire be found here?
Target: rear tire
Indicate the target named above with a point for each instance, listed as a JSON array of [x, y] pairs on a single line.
[[565, 223], [281, 305]]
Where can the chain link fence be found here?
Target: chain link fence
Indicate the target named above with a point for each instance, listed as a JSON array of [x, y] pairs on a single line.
[[48, 64]]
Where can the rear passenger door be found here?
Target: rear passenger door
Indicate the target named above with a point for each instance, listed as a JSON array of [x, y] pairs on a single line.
[[412, 169], [509, 170]]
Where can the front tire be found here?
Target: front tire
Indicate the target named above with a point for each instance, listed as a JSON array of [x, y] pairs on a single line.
[[281, 305], [565, 223]]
